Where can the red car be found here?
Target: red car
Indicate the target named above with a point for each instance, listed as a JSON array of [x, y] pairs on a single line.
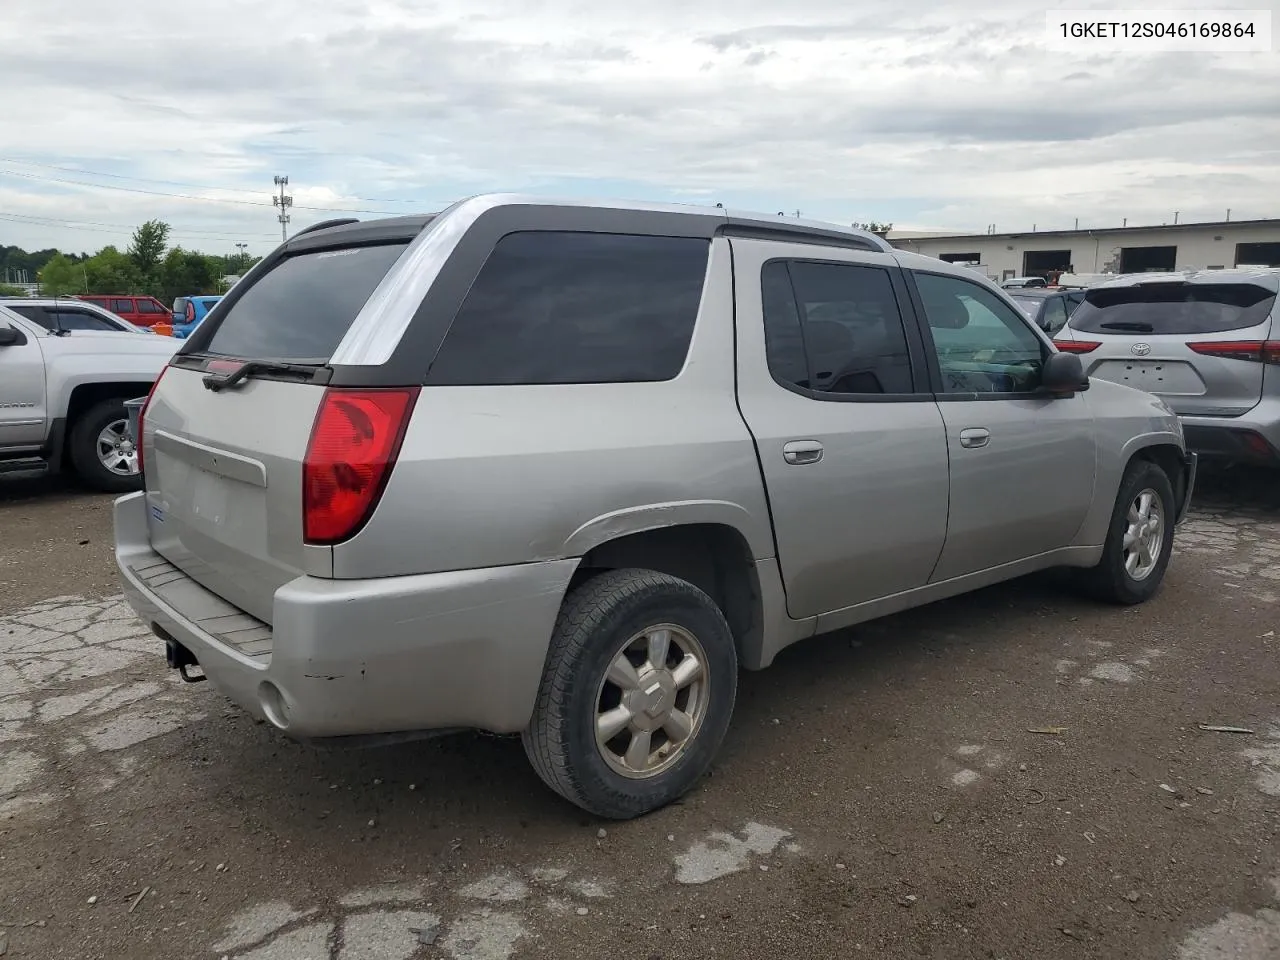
[[140, 311]]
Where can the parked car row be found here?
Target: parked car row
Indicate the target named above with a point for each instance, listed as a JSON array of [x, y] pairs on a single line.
[[146, 313]]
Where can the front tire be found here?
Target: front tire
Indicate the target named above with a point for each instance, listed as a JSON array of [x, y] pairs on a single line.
[[636, 696], [102, 451], [1139, 540]]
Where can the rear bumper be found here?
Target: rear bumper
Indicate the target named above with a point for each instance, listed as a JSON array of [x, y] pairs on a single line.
[[1253, 437], [363, 657]]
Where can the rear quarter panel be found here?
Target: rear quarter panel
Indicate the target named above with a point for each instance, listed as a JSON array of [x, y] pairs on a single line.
[[492, 476], [1126, 421], [101, 358]]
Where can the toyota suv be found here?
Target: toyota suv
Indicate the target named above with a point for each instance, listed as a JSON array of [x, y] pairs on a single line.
[[1204, 341], [561, 468]]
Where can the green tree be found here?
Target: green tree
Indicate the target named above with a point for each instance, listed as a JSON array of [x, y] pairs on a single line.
[[147, 249], [60, 277], [185, 272], [8, 290], [110, 271]]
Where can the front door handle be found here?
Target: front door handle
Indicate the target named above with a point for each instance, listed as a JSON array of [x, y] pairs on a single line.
[[974, 437], [802, 451]]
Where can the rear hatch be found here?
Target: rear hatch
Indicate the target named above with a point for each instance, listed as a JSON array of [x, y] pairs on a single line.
[[224, 466], [1201, 346]]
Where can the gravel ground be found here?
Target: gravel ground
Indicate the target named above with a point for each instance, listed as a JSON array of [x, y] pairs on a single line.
[[1014, 774]]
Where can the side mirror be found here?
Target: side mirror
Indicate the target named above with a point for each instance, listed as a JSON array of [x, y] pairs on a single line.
[[1063, 374], [10, 337]]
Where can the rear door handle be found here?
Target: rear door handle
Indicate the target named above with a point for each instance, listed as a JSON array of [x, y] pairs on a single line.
[[974, 437], [802, 451]]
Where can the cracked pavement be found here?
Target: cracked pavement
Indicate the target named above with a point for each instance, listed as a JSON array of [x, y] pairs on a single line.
[[1014, 773]]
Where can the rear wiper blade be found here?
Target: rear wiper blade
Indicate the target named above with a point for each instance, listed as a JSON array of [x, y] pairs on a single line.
[[1130, 325], [216, 383]]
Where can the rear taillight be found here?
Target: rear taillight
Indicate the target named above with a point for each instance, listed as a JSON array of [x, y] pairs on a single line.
[[354, 444], [1259, 351], [1076, 346], [142, 415]]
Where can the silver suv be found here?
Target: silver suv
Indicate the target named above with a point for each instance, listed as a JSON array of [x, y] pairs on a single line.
[[1203, 341], [560, 469]]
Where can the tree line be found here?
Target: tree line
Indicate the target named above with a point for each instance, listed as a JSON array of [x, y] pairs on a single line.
[[148, 266]]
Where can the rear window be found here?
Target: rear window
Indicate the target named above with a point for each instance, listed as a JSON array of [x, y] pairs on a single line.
[[303, 307], [1173, 308], [553, 307]]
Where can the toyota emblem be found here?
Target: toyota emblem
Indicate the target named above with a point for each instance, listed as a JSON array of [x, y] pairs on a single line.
[[1140, 349]]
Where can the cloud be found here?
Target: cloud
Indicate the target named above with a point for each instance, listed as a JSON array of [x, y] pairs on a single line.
[[925, 113]]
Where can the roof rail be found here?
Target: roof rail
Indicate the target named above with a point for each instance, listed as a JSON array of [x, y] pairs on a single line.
[[326, 224]]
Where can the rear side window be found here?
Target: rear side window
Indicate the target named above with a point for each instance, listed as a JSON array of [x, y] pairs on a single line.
[[122, 306], [1173, 308], [834, 328], [34, 314], [556, 307], [149, 306], [301, 309]]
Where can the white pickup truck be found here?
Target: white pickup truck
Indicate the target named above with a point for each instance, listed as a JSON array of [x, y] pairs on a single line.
[[62, 395]]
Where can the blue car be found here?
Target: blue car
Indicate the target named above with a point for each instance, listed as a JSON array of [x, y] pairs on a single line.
[[189, 311]]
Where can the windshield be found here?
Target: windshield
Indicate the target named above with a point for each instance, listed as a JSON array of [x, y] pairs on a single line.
[[302, 308], [1029, 305], [1173, 308]]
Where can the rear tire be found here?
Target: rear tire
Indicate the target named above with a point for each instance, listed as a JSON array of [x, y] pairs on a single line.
[[612, 732], [88, 447], [1137, 549]]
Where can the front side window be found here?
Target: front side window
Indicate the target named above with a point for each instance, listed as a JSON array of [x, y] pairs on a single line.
[[83, 320], [981, 343], [562, 307], [834, 328]]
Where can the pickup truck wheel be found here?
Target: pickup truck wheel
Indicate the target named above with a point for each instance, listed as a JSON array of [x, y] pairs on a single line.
[[102, 451], [637, 693], [1139, 540]]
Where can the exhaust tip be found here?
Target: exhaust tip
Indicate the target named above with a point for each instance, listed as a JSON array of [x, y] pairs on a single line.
[[274, 705]]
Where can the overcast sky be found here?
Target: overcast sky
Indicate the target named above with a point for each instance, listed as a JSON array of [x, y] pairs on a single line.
[[927, 114]]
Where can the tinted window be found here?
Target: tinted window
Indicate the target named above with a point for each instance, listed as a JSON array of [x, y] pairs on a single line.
[[34, 314], [552, 307], [149, 306], [850, 328], [982, 345], [1173, 308], [304, 306], [122, 306], [180, 305], [84, 320], [783, 342]]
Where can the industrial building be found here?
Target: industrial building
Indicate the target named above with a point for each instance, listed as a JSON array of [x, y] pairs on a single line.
[[1179, 246]]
